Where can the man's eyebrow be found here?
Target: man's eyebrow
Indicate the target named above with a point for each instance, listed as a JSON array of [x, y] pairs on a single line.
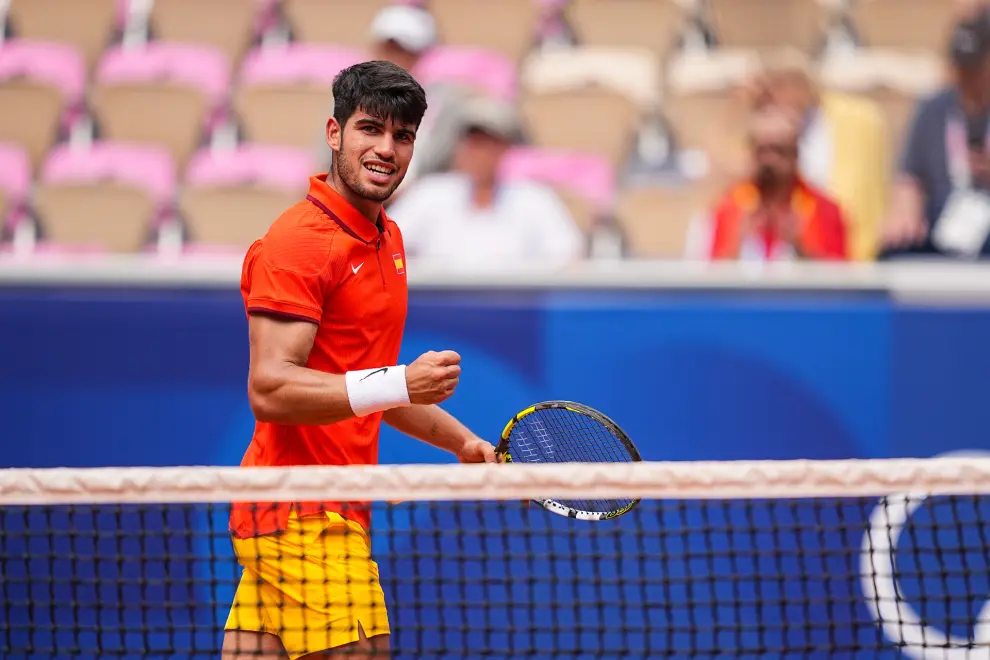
[[373, 121]]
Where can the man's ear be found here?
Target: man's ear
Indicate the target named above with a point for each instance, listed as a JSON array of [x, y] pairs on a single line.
[[333, 134]]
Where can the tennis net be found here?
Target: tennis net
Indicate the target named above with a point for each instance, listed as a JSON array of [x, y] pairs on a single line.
[[791, 559]]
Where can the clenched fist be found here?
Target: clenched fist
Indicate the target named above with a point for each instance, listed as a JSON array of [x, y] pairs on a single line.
[[433, 377]]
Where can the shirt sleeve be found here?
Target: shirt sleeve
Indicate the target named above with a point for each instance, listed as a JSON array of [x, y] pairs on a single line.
[[289, 278]]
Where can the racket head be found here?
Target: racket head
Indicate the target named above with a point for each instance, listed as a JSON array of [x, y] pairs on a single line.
[[566, 432]]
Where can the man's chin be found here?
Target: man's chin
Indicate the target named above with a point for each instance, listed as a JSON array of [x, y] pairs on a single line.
[[377, 193]]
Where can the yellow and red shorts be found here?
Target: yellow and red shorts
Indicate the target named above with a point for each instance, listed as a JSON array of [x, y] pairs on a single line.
[[313, 585]]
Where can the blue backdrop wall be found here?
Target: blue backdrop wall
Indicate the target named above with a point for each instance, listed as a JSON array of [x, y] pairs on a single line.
[[135, 377]]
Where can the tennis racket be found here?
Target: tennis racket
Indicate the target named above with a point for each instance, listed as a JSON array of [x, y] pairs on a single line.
[[567, 432]]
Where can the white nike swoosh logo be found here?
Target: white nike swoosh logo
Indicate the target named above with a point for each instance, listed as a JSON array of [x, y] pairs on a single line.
[[355, 270]]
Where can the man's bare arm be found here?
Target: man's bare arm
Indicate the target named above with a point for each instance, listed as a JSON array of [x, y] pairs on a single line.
[[283, 390], [437, 427], [280, 387]]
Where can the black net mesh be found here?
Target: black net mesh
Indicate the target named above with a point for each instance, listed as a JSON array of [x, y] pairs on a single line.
[[780, 578]]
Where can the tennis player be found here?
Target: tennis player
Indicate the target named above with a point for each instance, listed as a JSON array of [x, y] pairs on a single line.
[[325, 294]]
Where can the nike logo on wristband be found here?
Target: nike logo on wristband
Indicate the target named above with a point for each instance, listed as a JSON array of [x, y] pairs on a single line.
[[376, 371]]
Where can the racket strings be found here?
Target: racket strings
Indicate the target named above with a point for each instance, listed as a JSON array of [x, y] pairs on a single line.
[[559, 435]]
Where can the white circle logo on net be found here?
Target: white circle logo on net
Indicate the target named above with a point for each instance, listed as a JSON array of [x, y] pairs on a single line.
[[899, 622]]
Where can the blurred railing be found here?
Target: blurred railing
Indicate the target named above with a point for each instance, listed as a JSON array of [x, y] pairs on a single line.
[[952, 281]]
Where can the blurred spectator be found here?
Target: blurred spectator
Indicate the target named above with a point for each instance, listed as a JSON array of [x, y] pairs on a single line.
[[940, 201], [843, 145], [775, 214], [402, 34], [468, 218]]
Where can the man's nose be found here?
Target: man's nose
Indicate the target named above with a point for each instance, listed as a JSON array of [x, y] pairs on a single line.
[[385, 147]]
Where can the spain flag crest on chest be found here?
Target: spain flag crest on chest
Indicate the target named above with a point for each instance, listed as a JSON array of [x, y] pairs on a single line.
[[400, 266]]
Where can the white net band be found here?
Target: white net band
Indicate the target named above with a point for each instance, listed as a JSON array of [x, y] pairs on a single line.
[[721, 480]]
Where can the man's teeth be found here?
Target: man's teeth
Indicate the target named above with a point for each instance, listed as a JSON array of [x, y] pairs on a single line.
[[378, 170]]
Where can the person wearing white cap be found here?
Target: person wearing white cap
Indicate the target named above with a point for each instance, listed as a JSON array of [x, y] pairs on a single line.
[[402, 33], [468, 218]]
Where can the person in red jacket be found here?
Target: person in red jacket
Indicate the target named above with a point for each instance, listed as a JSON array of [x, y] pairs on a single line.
[[775, 214]]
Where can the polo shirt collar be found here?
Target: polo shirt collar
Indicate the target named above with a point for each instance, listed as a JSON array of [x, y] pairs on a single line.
[[341, 211]]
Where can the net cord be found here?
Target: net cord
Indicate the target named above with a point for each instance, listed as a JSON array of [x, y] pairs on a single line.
[[721, 480]]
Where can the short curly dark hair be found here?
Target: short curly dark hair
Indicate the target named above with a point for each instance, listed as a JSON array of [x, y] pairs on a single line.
[[381, 89]]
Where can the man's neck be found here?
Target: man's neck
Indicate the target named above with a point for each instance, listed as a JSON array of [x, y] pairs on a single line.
[[483, 195], [778, 193], [370, 209]]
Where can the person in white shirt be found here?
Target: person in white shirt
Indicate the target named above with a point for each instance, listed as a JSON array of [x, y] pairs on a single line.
[[468, 218]]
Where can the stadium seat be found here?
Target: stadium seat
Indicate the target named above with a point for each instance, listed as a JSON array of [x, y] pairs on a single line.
[[632, 72], [228, 25], [693, 114], [507, 26], [86, 25], [585, 183], [483, 70], [40, 83], [231, 198], [588, 119], [655, 219], [655, 25], [340, 22], [285, 93], [164, 94], [15, 183], [769, 24], [909, 25], [108, 196]]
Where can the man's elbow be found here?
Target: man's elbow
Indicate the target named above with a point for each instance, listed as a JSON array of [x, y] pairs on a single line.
[[262, 396]]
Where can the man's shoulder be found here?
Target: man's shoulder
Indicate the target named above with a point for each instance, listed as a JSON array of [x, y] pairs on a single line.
[[300, 239]]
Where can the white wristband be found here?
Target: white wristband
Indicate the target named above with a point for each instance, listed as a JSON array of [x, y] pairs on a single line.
[[373, 390]]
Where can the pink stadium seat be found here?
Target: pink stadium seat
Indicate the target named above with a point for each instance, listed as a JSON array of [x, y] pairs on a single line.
[[297, 63], [232, 198], [259, 164], [145, 167], [585, 175], [56, 65], [166, 94], [202, 68], [484, 70], [109, 196], [42, 86], [284, 96]]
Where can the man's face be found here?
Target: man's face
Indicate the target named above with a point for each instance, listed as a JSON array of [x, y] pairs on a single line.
[[791, 92], [479, 155], [371, 155], [775, 150]]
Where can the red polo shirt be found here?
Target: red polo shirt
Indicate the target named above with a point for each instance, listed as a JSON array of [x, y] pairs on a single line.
[[323, 262]]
